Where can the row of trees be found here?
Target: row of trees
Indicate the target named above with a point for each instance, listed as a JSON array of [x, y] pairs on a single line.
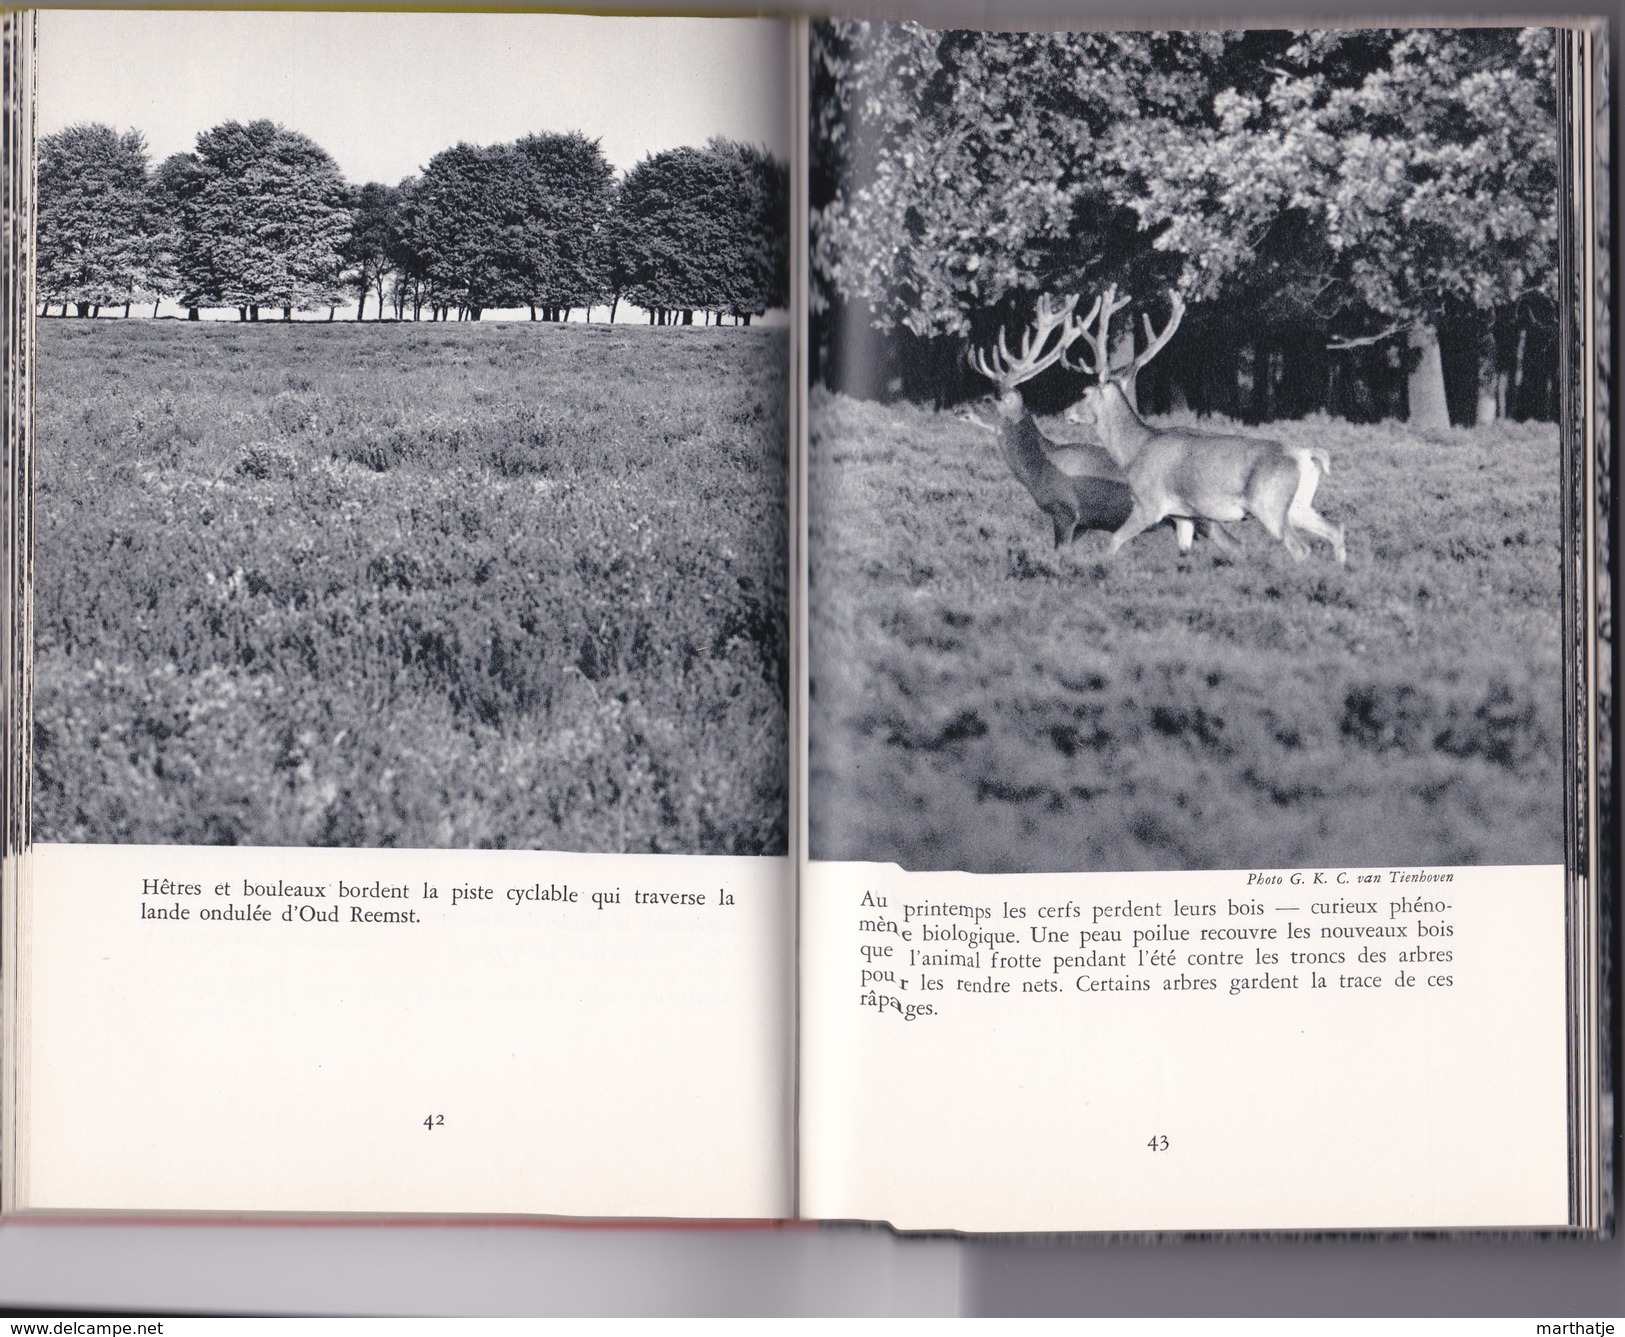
[[1361, 221], [259, 216]]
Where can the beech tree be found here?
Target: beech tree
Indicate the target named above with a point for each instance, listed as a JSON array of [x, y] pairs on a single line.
[[95, 244], [1299, 188], [564, 212], [462, 222], [1419, 167], [704, 229], [765, 240], [971, 163], [965, 174], [368, 253], [264, 217]]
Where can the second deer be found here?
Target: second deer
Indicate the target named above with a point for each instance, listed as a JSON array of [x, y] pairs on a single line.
[[1198, 475]]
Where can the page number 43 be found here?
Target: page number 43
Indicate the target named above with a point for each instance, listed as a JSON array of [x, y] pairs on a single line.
[[1158, 1143], [435, 1121]]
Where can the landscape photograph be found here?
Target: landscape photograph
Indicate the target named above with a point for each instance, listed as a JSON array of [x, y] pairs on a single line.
[[1184, 466], [411, 471]]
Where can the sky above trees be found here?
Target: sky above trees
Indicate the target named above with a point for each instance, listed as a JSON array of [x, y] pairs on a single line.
[[383, 93]]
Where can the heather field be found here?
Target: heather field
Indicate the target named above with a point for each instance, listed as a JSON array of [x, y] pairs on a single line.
[[484, 585], [982, 702]]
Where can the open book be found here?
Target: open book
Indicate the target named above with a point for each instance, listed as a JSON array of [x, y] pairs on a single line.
[[999, 631]]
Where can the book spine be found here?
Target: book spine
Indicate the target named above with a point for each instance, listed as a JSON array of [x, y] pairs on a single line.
[[17, 295]]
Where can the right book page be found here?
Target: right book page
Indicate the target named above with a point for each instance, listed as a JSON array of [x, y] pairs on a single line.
[[1186, 531]]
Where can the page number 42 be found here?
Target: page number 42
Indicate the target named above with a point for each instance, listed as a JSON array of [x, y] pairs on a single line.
[[435, 1121], [1158, 1143]]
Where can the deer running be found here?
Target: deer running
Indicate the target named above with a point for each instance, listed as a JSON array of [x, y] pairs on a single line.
[[1080, 487], [1195, 475]]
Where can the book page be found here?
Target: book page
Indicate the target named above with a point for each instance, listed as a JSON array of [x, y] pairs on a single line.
[[1186, 750], [1328, 1049], [406, 1032], [409, 754]]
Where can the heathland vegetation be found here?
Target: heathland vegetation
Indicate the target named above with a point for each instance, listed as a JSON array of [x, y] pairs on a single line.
[[502, 586]]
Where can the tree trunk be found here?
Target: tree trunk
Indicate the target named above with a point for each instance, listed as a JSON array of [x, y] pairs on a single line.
[[253, 313], [747, 320], [332, 314], [1492, 381], [474, 312], [533, 310], [191, 313], [1428, 408], [614, 302], [361, 307], [287, 313], [242, 314], [155, 309], [1252, 381]]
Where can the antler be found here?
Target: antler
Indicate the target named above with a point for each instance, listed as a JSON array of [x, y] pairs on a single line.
[[1153, 341], [1008, 370], [1099, 338]]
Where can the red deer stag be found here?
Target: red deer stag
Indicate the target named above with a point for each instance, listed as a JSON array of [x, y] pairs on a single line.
[[1195, 475], [1080, 487]]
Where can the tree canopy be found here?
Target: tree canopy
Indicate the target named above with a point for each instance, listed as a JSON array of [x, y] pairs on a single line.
[[568, 195], [704, 229], [1353, 184], [95, 230], [265, 217]]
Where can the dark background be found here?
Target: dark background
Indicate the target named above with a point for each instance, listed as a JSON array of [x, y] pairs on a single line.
[[529, 1268]]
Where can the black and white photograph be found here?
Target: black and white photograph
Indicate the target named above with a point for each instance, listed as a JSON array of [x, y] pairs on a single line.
[[412, 431], [1184, 461]]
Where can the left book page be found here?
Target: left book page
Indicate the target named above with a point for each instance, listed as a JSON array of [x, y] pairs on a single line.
[[409, 739]]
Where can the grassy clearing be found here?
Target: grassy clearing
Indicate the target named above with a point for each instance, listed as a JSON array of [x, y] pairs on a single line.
[[981, 702], [488, 586]]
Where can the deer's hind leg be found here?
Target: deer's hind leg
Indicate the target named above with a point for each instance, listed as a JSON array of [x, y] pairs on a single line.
[[1302, 513], [1065, 524], [1270, 493], [1312, 522]]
